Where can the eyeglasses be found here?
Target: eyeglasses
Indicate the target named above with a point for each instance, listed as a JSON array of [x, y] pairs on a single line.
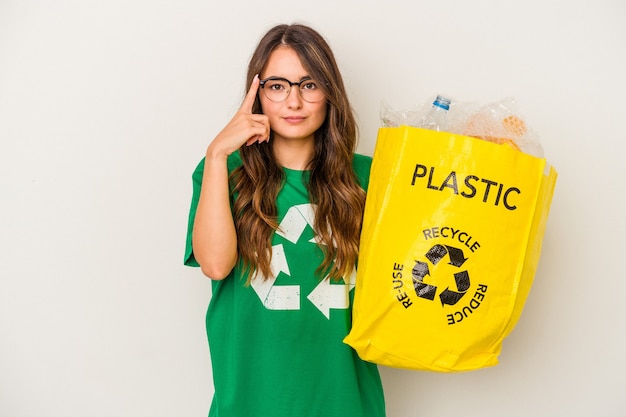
[[277, 89]]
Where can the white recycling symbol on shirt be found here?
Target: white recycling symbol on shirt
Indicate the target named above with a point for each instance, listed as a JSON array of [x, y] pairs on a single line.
[[287, 297]]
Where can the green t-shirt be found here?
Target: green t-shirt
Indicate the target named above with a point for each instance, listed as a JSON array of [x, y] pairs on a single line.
[[276, 346]]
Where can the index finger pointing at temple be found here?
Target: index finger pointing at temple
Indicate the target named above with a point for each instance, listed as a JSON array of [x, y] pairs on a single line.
[[248, 101]]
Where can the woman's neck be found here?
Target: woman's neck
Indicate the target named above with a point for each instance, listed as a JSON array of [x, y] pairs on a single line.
[[296, 155]]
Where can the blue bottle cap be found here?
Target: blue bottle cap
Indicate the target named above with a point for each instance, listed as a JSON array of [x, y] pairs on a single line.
[[442, 102]]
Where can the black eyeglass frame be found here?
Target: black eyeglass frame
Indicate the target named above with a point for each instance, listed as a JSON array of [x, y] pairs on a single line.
[[291, 84]]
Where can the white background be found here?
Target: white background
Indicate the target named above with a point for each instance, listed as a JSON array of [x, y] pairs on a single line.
[[107, 106]]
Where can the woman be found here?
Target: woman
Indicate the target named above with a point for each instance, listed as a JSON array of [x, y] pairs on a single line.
[[275, 222]]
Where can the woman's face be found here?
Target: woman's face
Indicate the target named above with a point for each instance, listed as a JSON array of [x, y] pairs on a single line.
[[293, 118]]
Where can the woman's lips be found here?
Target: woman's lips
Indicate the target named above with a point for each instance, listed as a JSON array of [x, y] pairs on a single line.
[[293, 119]]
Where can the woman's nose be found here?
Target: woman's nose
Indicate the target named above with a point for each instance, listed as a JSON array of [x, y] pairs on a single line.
[[294, 99]]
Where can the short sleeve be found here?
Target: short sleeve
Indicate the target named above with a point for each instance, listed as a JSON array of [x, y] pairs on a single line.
[[196, 177]]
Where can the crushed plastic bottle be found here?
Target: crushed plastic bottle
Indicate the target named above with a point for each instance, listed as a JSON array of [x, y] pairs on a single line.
[[437, 116]]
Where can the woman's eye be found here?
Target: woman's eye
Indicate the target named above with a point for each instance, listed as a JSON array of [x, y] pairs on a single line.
[[309, 85], [277, 87]]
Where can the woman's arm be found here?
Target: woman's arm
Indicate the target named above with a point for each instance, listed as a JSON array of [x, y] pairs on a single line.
[[214, 238]]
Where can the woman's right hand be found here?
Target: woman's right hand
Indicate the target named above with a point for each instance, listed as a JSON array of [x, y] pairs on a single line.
[[244, 128]]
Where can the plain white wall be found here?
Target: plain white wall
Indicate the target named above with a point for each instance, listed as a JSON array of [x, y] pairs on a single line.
[[106, 107]]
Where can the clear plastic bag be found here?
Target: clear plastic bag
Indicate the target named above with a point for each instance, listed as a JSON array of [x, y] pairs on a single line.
[[499, 122]]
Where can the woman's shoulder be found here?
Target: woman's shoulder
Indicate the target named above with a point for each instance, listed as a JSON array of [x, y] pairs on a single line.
[[361, 163], [233, 162], [361, 160]]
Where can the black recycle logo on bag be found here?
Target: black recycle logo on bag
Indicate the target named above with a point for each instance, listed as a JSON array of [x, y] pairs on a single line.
[[461, 278]]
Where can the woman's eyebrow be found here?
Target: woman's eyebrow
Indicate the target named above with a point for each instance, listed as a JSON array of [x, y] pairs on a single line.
[[306, 77]]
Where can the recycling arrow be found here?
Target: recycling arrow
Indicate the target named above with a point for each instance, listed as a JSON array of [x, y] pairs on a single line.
[[295, 221], [436, 253], [456, 256], [280, 297], [327, 295], [420, 270], [462, 285]]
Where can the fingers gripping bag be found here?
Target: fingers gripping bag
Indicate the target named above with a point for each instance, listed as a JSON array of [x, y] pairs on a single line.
[[451, 240]]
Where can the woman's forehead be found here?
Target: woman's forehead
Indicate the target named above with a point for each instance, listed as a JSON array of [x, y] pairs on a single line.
[[284, 62]]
